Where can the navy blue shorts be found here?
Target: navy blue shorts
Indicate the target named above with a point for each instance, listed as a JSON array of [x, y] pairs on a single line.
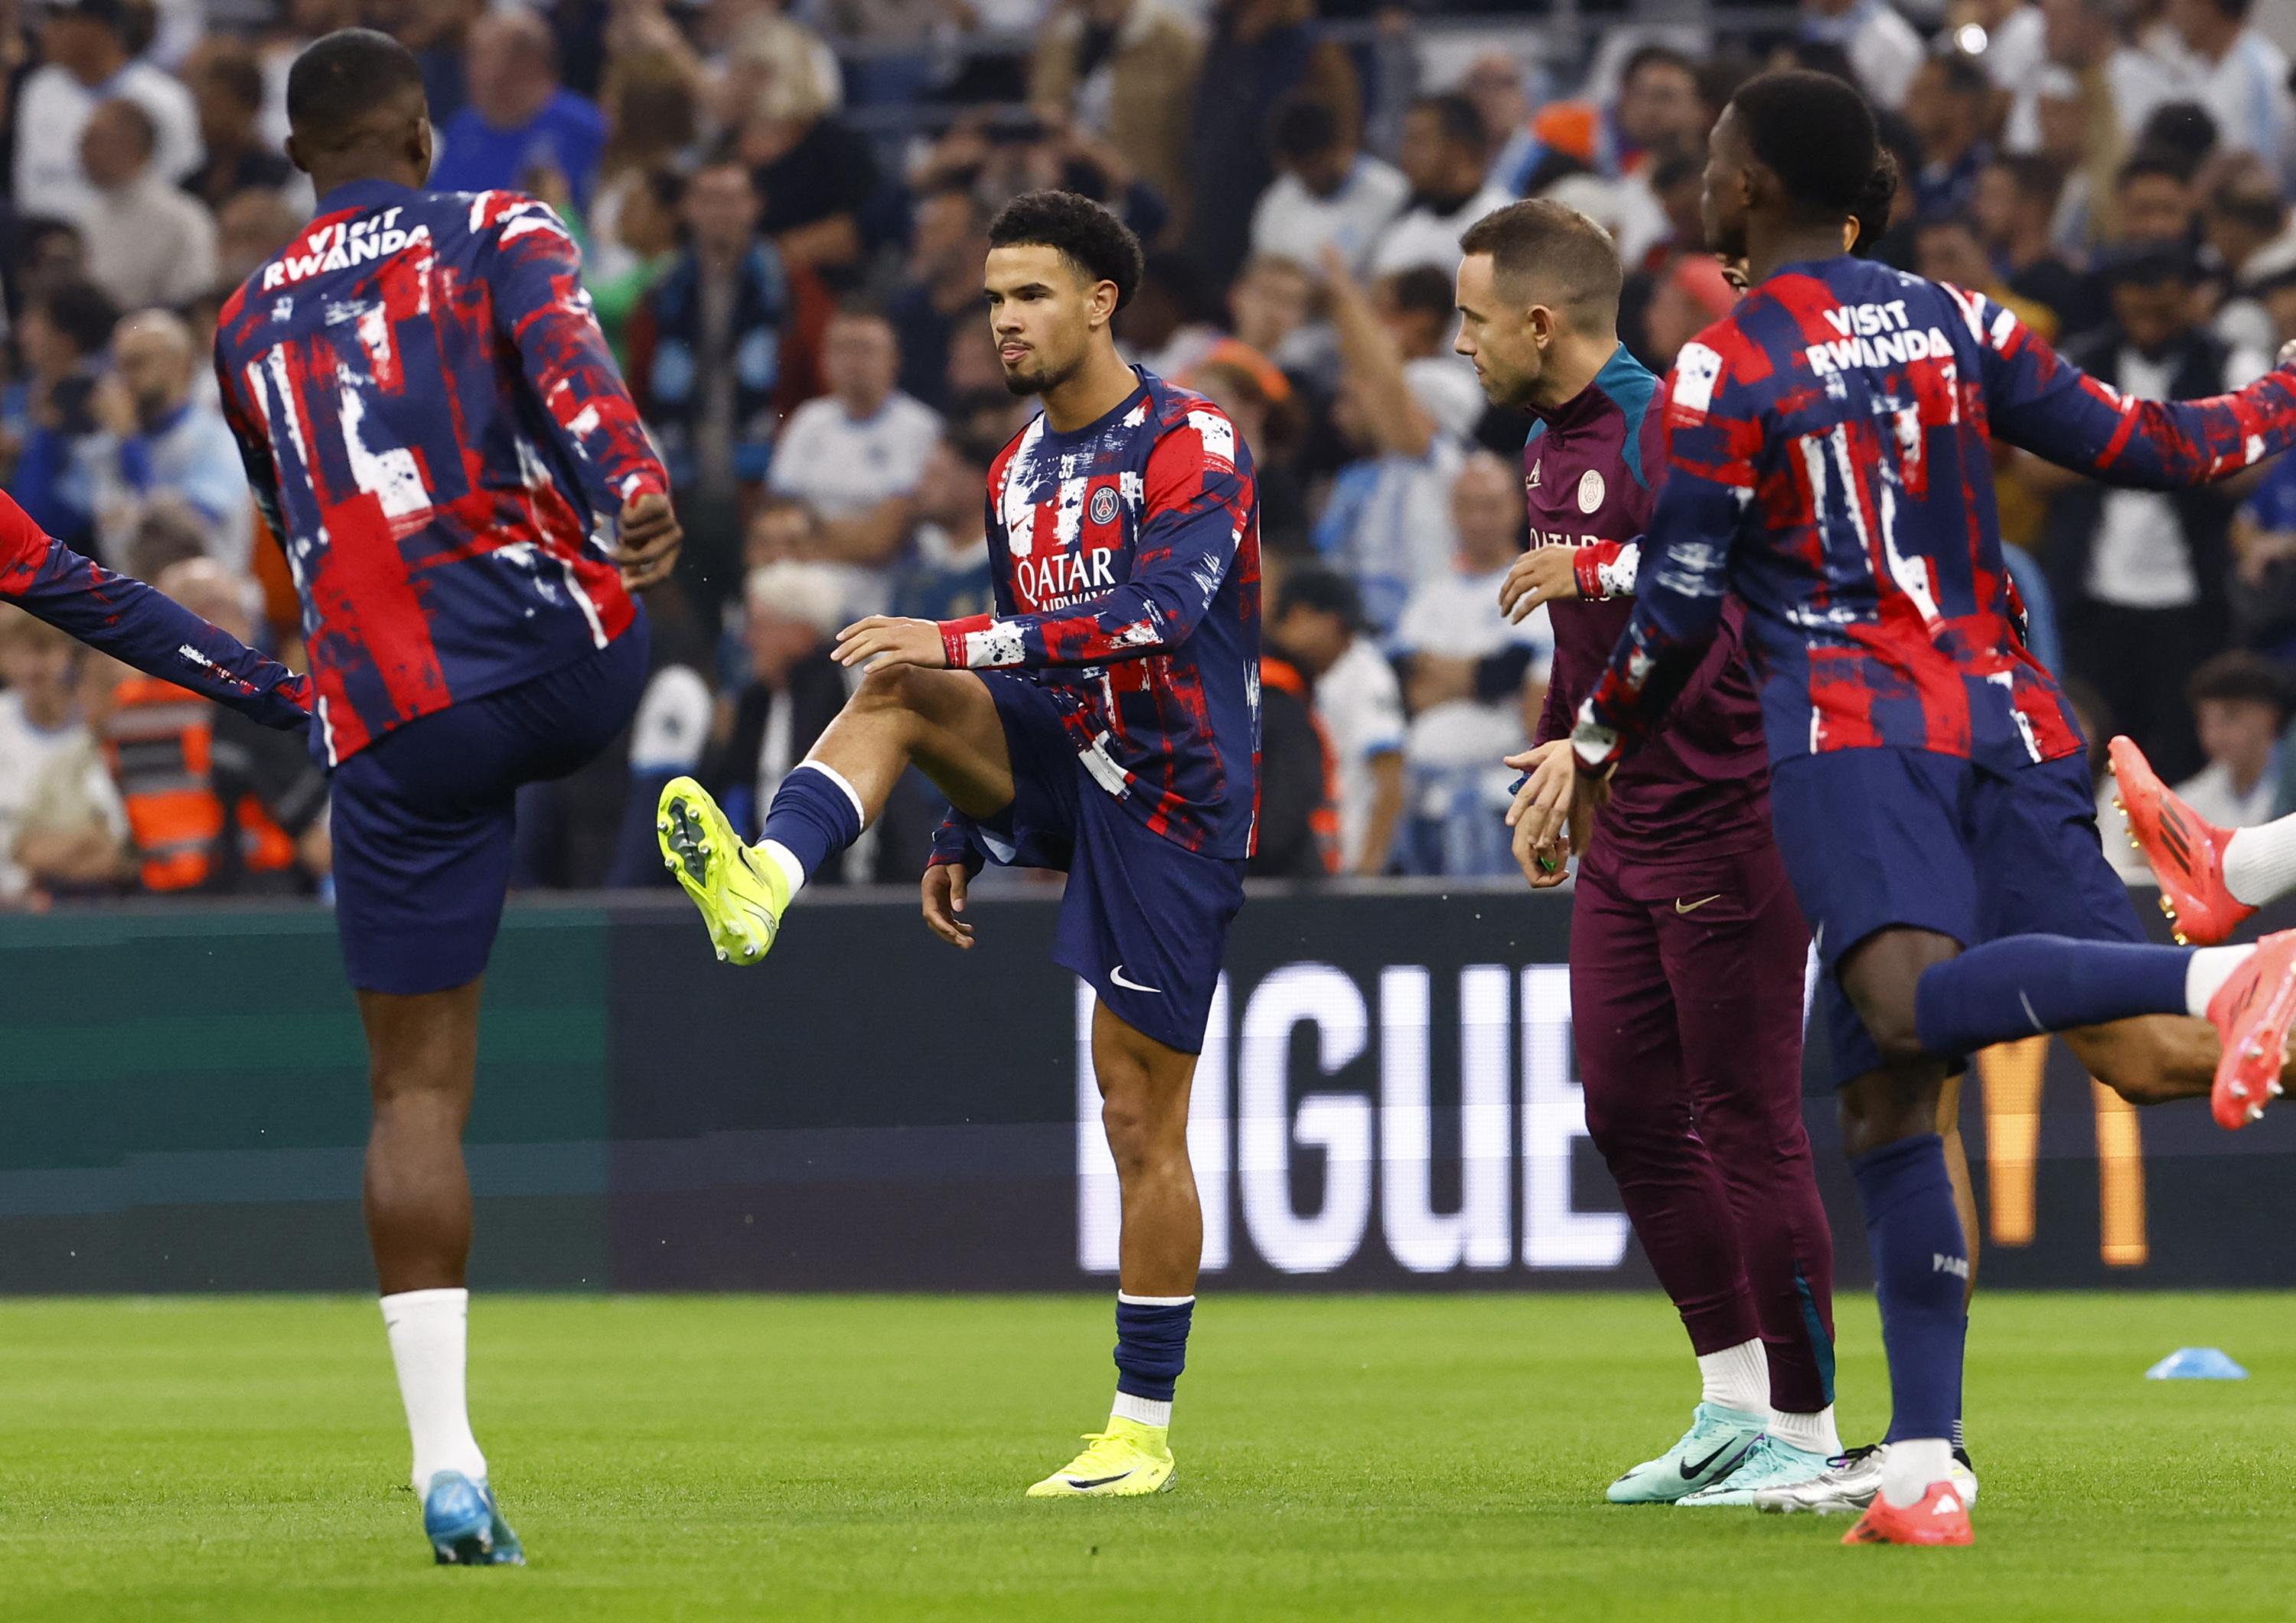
[[1881, 838], [1143, 920], [423, 821]]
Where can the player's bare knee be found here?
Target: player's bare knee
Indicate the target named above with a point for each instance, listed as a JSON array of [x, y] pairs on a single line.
[[1883, 1107]]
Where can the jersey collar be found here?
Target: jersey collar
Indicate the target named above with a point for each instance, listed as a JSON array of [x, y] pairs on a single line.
[[357, 195]]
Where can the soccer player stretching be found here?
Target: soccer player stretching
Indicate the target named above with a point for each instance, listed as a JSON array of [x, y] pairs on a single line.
[[1827, 467], [1687, 951], [435, 430], [1104, 719]]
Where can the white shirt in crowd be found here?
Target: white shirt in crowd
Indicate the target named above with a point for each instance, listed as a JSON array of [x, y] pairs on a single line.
[[841, 466], [1883, 47], [149, 243], [26, 755], [52, 113], [194, 459], [2212, 793], [1421, 237], [1290, 222], [2246, 91], [1457, 615], [2016, 50], [2139, 559], [1362, 707], [1393, 512]]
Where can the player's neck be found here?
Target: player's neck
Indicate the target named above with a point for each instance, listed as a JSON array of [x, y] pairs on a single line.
[[1098, 387], [1572, 365], [328, 179], [1766, 250]]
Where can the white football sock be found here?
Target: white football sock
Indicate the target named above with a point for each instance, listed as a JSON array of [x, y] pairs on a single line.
[[1810, 1433], [2207, 971], [429, 1333], [1143, 1411], [1912, 1466], [1736, 1378], [786, 861], [2260, 863]]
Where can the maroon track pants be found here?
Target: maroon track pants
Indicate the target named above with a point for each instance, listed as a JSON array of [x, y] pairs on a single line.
[[1686, 1007]]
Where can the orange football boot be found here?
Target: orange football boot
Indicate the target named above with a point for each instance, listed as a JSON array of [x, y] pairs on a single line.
[[2252, 1013], [1940, 1518], [2187, 854]]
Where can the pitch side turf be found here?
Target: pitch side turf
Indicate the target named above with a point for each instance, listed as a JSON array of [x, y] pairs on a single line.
[[1339, 1457]]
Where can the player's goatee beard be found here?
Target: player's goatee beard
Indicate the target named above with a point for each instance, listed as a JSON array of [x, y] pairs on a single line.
[[1039, 382]]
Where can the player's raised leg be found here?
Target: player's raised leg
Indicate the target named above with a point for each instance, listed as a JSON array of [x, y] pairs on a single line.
[[942, 722], [1143, 1090]]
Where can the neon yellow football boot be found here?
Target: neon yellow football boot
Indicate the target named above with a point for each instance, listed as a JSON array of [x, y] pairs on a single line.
[[741, 894], [1127, 1459]]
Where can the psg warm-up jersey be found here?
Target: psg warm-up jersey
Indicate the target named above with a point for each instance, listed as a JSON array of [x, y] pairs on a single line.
[[436, 431], [1827, 466], [1126, 562]]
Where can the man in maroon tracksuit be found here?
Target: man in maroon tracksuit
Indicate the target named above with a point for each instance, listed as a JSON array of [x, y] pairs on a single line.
[[1687, 949]]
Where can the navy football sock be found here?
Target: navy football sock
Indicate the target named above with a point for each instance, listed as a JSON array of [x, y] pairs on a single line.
[[2023, 984], [1921, 1263], [1151, 1345], [814, 813]]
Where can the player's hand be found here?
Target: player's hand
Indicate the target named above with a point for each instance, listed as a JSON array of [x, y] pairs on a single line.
[[1543, 575], [646, 549], [943, 889], [881, 642], [1540, 815]]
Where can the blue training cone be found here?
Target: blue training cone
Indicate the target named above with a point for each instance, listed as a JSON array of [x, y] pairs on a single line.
[[2196, 1363]]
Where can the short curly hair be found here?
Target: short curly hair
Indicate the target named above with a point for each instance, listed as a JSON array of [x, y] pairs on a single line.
[[1088, 235]]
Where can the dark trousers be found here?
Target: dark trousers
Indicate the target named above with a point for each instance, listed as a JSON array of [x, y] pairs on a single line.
[[2137, 660]]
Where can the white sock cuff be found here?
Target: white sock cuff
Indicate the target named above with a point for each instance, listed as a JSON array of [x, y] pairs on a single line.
[[1130, 1300], [1141, 1411], [410, 1304], [2260, 863], [1736, 1378], [1912, 1466], [2207, 971], [782, 857], [839, 779], [1811, 1433]]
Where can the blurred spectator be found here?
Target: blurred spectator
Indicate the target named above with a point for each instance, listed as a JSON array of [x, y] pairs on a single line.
[[1473, 682], [439, 33], [1127, 71], [1264, 408], [2108, 86], [2013, 208], [249, 229], [62, 338], [2264, 554], [46, 254], [815, 175], [1691, 297], [1882, 48], [227, 82], [1405, 407], [1296, 834], [520, 123], [167, 443], [1950, 106], [2183, 129], [2246, 223], [795, 689], [652, 110], [148, 241], [647, 226], [2153, 197], [2141, 577], [670, 737], [855, 456], [1327, 190], [2008, 37], [87, 61], [2242, 78], [1444, 158], [1318, 625], [1270, 309], [1172, 321], [708, 346], [60, 825], [948, 244], [2240, 704], [216, 802], [1659, 109], [943, 573], [1258, 53]]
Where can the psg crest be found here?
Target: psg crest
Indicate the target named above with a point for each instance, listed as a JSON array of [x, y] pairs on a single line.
[[1104, 505]]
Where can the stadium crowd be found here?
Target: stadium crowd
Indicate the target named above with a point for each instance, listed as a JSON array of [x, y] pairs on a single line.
[[784, 210]]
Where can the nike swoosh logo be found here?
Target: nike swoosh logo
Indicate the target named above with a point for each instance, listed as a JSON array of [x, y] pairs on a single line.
[[1680, 906], [1117, 976], [1690, 1471], [1084, 1482]]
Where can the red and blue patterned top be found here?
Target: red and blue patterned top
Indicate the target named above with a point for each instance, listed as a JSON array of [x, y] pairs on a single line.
[[435, 430], [1827, 466], [1125, 565]]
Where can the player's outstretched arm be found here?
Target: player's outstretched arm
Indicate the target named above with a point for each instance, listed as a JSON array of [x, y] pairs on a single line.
[[1597, 571], [2041, 402], [128, 619]]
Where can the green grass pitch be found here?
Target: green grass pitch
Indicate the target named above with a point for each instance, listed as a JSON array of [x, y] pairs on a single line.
[[857, 1458]]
